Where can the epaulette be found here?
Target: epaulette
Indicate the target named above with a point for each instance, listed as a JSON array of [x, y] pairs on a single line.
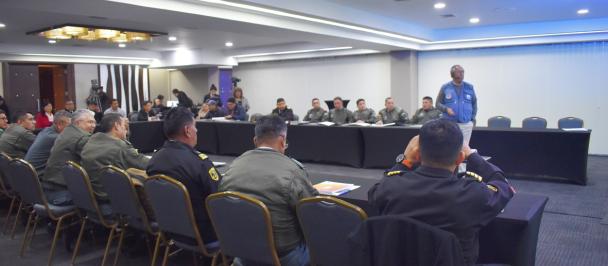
[[394, 173], [299, 164], [202, 156], [473, 176]]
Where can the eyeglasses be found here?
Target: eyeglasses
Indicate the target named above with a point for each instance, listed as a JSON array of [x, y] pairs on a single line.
[[3, 118]]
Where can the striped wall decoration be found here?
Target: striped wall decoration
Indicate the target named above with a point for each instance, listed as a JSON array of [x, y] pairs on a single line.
[[126, 83]]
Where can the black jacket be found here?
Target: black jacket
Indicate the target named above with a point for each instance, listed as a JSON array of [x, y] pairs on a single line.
[[183, 100], [286, 114], [399, 240]]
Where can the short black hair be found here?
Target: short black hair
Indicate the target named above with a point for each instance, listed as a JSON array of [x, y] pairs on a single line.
[[269, 127], [114, 100], [175, 91], [108, 121], [440, 142], [160, 97], [280, 100], [20, 116], [338, 98], [231, 100], [175, 121], [428, 98], [315, 99], [146, 102], [213, 87], [360, 100]]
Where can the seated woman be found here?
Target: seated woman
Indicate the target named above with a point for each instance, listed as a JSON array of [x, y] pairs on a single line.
[[44, 118]]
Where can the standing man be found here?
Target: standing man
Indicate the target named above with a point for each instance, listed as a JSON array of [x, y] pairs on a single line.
[[364, 114], [39, 152], [283, 111], [3, 122], [426, 113], [265, 173], [392, 114], [235, 111], [315, 114], [340, 115], [458, 102], [115, 109], [18, 138], [94, 108]]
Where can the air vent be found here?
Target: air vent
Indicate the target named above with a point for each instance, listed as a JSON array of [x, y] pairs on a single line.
[[447, 16]]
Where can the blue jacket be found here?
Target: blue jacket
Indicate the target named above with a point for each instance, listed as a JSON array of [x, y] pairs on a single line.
[[462, 101], [237, 114]]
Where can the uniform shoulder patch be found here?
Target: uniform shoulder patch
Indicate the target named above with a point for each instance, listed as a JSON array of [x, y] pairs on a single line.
[[474, 176], [202, 156], [213, 174], [493, 188], [394, 173]]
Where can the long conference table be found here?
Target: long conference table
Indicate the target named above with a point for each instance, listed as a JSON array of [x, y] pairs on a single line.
[[526, 153]]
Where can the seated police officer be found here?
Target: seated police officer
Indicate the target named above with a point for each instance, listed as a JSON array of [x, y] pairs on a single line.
[[40, 151], [427, 113], [179, 160], [316, 113], [339, 115], [18, 138], [433, 194], [283, 111]]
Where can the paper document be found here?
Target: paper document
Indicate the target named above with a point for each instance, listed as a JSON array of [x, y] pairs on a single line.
[[358, 124], [334, 188], [576, 129], [327, 123], [383, 125], [219, 164]]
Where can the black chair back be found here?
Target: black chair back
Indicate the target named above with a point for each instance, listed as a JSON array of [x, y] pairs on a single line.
[[534, 123], [499, 122], [123, 197], [24, 180], [326, 237], [4, 185], [570, 122], [249, 236], [79, 186]]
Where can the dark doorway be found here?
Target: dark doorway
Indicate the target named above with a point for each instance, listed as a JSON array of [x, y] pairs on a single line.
[[53, 85]]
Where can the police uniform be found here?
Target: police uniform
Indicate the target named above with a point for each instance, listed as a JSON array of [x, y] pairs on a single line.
[[196, 172], [367, 115], [280, 183], [315, 115], [102, 150], [422, 116], [68, 147], [458, 204], [16, 140], [397, 116], [341, 116]]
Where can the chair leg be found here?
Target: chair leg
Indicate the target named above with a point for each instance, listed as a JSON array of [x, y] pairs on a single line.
[[108, 244], [26, 233], [166, 257], [36, 221], [156, 248], [214, 260], [84, 222], [224, 259], [120, 239], [55, 237], [8, 215], [16, 220]]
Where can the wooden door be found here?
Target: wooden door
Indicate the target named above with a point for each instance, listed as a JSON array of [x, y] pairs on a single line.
[[23, 89]]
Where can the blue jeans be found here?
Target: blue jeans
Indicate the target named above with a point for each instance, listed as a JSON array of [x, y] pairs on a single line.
[[297, 257]]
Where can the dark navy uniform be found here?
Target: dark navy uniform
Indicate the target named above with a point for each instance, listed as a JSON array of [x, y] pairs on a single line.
[[458, 204], [193, 169]]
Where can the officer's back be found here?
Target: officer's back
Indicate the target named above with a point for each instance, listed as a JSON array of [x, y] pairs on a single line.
[[433, 194]]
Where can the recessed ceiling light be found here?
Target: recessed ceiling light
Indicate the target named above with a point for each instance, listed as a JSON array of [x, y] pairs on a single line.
[[122, 45], [52, 41], [474, 20], [582, 11], [2, 25], [172, 38], [439, 5], [229, 44]]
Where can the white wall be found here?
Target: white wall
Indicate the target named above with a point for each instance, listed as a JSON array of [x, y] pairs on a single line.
[[84, 73], [298, 81], [159, 83], [193, 81], [550, 81]]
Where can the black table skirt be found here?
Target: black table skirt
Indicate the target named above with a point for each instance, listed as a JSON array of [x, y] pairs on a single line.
[[146, 136], [322, 144], [234, 138], [207, 137]]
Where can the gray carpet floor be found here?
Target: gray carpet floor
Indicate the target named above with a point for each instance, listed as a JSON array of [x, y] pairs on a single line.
[[571, 231]]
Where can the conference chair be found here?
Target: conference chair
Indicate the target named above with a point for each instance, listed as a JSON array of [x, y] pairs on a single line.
[[296, 118], [250, 236], [6, 190], [175, 217], [534, 123], [401, 240], [127, 206], [24, 180], [570, 122], [255, 117], [79, 186], [326, 223], [499, 122]]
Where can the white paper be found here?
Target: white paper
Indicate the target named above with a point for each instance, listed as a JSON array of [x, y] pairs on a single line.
[[326, 123], [576, 129]]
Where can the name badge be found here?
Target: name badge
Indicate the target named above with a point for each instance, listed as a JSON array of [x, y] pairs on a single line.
[[448, 96], [468, 96]]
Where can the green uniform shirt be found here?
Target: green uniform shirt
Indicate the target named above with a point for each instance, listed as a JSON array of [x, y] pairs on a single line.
[[16, 140], [342, 116], [279, 182], [315, 115], [422, 116], [102, 150], [397, 116], [68, 147], [368, 116]]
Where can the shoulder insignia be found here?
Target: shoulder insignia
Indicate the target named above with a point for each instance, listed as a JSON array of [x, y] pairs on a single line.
[[493, 188], [394, 173], [213, 174], [475, 176], [202, 156]]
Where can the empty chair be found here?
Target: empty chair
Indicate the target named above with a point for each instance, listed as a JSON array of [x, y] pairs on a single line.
[[172, 206], [6, 190], [127, 205], [400, 240], [534, 123], [79, 186], [255, 117], [250, 236], [24, 181], [499, 122], [326, 237], [570, 122], [296, 118]]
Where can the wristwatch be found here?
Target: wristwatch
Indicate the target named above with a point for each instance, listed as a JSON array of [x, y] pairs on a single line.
[[405, 162]]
